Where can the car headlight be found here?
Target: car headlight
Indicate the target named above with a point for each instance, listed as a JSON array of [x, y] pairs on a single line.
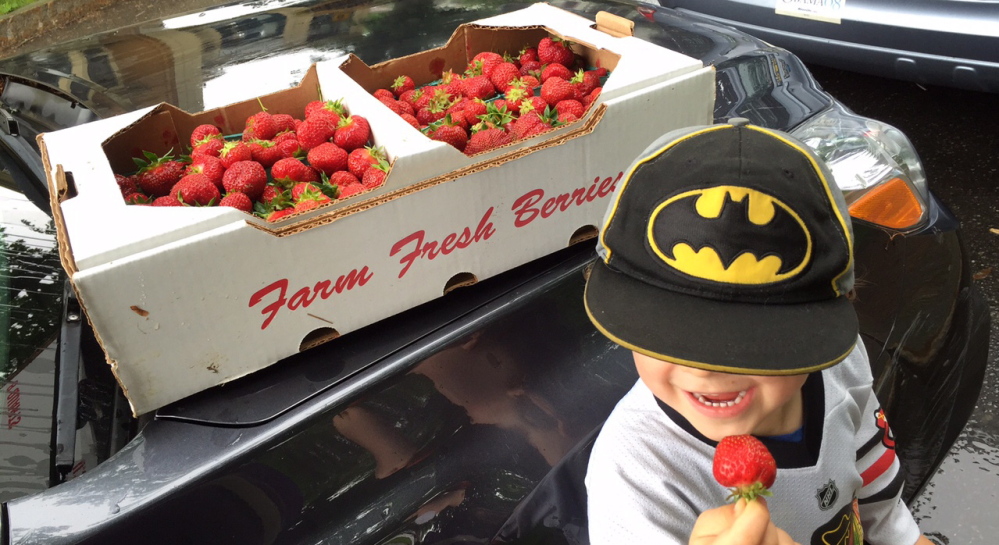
[[873, 163]]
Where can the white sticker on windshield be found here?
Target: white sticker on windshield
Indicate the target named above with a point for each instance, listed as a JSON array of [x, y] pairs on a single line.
[[819, 10]]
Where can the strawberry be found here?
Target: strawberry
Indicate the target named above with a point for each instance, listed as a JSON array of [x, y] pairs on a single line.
[[276, 196], [417, 98], [353, 132], [157, 175], [528, 54], [375, 176], [592, 97], [402, 84], [166, 200], [314, 131], [327, 158], [584, 82], [497, 115], [127, 184], [556, 90], [301, 188], [556, 70], [265, 152], [405, 107], [451, 83], [323, 109], [555, 50], [383, 94], [289, 171], [351, 190], [196, 190], [238, 201], [209, 166], [530, 82], [451, 133], [247, 177], [310, 203], [479, 87], [275, 215], [486, 139], [502, 74], [203, 133], [290, 147], [361, 159], [394, 105], [531, 123], [743, 464], [283, 123], [534, 103], [484, 63], [474, 109], [261, 125], [210, 146], [569, 110], [343, 178], [532, 68], [137, 198], [517, 93], [436, 109], [411, 120], [234, 152]]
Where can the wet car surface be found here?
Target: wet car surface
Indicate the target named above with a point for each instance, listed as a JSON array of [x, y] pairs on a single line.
[[438, 423]]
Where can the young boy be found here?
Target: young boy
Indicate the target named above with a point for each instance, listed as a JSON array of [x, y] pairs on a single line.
[[726, 259]]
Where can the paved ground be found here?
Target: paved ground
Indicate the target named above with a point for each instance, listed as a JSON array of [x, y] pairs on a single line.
[[57, 20]]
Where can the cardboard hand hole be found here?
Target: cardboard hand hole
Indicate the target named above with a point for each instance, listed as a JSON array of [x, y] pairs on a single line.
[[459, 280], [584, 233], [317, 337]]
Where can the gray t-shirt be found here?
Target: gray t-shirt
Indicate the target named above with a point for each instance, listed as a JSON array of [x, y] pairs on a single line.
[[649, 475]]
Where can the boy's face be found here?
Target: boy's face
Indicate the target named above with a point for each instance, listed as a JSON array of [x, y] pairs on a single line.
[[722, 404]]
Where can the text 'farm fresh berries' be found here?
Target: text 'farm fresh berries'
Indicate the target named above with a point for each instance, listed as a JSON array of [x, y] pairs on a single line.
[[744, 465]]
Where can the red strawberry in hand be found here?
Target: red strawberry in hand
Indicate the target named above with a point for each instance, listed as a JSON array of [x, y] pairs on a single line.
[[743, 464]]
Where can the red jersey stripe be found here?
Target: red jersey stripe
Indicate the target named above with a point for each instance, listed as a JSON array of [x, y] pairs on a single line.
[[879, 467]]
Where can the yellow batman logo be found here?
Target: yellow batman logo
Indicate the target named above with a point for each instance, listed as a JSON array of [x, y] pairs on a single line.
[[730, 234]]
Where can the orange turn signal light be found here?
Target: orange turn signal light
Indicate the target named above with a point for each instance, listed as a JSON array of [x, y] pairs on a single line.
[[891, 204]]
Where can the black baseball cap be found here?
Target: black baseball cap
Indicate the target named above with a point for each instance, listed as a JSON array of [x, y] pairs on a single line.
[[727, 248]]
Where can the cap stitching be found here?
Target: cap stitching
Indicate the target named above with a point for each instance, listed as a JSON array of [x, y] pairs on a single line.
[[825, 185], [631, 172]]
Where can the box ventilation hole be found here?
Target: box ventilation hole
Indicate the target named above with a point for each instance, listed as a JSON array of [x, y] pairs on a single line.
[[585, 232], [318, 337], [460, 280]]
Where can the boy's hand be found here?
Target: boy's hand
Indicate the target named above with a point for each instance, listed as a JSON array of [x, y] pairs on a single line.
[[739, 523]]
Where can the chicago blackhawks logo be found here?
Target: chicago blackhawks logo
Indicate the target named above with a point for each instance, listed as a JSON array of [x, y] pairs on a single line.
[[887, 439], [842, 529], [730, 234]]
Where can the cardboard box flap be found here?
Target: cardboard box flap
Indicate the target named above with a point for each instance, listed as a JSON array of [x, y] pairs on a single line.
[[165, 128]]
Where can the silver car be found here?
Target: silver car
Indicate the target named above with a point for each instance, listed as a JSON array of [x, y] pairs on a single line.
[[952, 43]]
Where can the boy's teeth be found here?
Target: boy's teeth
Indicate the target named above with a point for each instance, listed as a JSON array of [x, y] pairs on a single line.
[[703, 399]]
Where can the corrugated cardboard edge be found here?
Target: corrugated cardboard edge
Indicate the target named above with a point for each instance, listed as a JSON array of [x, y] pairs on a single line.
[[59, 190], [312, 223], [615, 25]]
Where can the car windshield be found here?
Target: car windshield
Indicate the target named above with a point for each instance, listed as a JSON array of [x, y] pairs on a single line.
[[31, 281]]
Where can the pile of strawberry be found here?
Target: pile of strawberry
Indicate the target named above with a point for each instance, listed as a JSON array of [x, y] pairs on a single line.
[[277, 167], [499, 99]]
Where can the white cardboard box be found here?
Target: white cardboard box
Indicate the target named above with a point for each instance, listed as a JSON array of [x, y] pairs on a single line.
[[183, 299]]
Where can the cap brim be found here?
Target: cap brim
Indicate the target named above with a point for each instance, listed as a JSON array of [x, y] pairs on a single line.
[[744, 338]]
